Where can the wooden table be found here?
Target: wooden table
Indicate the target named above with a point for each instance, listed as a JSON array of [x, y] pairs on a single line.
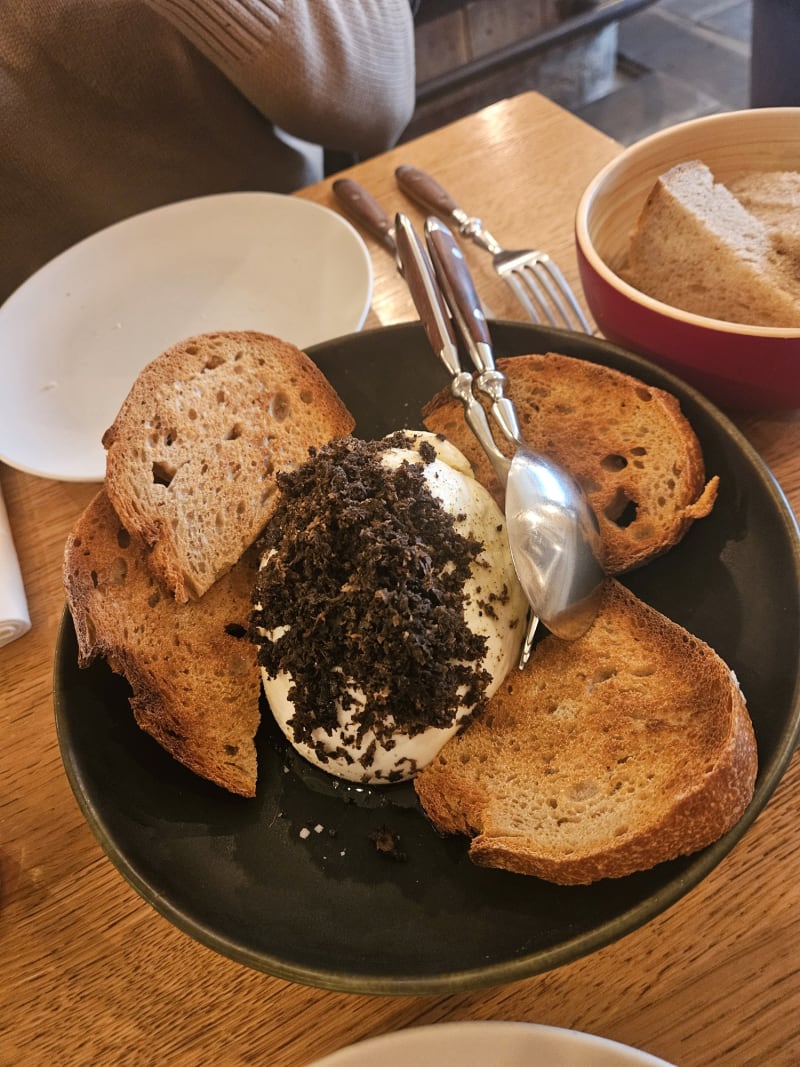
[[89, 973]]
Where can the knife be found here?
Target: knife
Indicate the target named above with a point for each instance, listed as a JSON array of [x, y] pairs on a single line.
[[434, 315], [364, 209]]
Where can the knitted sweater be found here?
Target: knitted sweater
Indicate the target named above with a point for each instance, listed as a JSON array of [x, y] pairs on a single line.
[[111, 107]]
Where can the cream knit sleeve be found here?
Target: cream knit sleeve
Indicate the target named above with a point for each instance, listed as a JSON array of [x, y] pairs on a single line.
[[339, 73]]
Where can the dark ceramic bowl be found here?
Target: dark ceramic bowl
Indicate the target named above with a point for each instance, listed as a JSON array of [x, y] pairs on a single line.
[[291, 883]]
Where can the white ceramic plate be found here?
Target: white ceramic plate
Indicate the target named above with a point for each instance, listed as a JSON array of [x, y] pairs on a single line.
[[74, 336], [478, 1044]]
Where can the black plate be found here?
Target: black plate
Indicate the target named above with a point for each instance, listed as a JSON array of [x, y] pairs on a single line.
[[327, 909]]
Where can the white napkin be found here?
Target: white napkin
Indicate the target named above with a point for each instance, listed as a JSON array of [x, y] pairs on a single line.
[[14, 618]]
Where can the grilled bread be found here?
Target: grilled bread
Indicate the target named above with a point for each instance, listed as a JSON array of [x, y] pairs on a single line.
[[192, 670], [605, 756], [193, 453], [627, 444], [695, 246]]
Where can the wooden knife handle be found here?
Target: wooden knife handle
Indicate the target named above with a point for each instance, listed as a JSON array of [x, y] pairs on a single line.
[[363, 208]]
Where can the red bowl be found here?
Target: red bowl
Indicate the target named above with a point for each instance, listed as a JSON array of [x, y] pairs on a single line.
[[738, 366]]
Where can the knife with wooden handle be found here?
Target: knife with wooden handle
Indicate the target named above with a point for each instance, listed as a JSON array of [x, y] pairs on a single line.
[[363, 208]]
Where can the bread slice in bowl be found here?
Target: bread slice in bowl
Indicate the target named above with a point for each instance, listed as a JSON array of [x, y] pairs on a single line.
[[773, 196], [605, 756], [193, 453], [628, 445], [193, 673], [696, 247]]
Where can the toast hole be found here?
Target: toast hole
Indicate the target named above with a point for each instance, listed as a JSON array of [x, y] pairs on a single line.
[[95, 581], [212, 362], [600, 676], [240, 508], [644, 394], [231, 750], [163, 474], [235, 431], [613, 462], [219, 521], [279, 407], [192, 350], [123, 538], [118, 572], [621, 510], [192, 414], [239, 355], [638, 450], [221, 398], [583, 790], [235, 629], [170, 438]]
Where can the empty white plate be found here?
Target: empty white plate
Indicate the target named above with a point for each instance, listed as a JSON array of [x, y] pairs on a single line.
[[74, 336], [489, 1044]]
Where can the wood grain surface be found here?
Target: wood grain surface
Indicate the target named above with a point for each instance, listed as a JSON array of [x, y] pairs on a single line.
[[91, 974]]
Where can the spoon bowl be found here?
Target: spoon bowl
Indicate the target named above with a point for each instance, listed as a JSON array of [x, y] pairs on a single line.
[[554, 539]]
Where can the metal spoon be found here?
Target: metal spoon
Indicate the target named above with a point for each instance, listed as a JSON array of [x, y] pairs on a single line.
[[552, 530]]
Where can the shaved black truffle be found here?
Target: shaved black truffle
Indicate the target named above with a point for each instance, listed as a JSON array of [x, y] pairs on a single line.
[[364, 589]]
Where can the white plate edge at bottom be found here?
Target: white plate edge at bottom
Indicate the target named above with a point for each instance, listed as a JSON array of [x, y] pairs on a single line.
[[469, 1042]]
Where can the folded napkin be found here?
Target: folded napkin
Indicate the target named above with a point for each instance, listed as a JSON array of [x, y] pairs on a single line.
[[14, 618]]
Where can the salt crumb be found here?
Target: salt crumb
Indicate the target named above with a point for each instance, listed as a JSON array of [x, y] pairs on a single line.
[[305, 832], [318, 828]]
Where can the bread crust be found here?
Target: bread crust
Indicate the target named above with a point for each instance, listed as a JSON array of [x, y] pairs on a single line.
[[193, 453], [628, 444], [193, 672], [605, 756]]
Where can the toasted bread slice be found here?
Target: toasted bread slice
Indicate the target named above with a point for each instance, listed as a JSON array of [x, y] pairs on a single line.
[[193, 672], [193, 453], [605, 756], [696, 247], [627, 444]]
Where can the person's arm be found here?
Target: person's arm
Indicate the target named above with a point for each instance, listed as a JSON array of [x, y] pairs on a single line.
[[339, 73]]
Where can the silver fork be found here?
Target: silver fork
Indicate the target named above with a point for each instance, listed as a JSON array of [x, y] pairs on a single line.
[[535, 279]]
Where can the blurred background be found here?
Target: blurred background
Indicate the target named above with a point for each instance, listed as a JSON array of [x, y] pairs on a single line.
[[628, 67]]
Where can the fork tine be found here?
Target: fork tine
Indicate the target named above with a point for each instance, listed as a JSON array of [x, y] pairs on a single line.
[[519, 290], [565, 291], [538, 269], [525, 287], [548, 274]]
